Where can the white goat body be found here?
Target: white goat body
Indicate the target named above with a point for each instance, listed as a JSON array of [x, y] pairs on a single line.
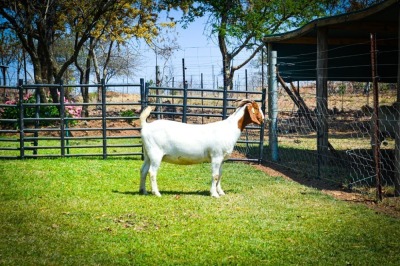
[[188, 144], [181, 143]]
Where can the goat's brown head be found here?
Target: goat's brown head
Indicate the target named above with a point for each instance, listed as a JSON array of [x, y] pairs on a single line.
[[252, 114]]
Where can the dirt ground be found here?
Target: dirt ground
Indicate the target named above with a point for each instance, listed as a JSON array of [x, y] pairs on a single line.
[[389, 206]]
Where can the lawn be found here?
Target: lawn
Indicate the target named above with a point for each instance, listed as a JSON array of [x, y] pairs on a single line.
[[88, 212]]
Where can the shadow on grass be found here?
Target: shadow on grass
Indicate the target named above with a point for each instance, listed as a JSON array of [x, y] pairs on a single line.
[[301, 166], [136, 193], [346, 170]]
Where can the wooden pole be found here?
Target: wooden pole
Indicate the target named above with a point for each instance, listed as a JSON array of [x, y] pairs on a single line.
[[273, 104], [322, 96], [397, 138], [376, 143]]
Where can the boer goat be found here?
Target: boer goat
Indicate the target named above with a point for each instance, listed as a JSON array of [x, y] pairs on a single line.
[[181, 143]]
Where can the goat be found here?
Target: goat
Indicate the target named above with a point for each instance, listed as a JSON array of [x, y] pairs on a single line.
[[181, 143]]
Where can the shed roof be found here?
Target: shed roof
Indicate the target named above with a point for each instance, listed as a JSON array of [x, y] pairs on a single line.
[[348, 45]]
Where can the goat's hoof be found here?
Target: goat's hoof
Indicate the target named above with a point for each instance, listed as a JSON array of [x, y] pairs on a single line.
[[157, 194], [142, 192], [221, 193], [215, 195]]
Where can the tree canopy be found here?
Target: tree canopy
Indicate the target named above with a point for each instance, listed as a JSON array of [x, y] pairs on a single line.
[[43, 28], [40, 25], [239, 25]]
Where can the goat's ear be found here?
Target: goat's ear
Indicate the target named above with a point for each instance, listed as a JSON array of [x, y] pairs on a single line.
[[254, 113]]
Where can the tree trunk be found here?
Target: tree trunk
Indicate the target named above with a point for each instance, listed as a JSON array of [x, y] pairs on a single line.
[[98, 76], [84, 77], [38, 80], [227, 71]]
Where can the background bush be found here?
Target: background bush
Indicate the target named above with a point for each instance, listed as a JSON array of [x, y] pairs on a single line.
[[48, 111]]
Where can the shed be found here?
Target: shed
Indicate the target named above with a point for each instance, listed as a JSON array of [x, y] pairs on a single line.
[[338, 48], [348, 41]]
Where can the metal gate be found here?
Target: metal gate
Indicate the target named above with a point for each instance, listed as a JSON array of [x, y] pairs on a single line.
[[49, 129]]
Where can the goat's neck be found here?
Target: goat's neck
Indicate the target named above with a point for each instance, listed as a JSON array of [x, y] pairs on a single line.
[[237, 118]]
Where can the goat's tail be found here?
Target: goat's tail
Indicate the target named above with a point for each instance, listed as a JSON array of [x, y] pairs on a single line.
[[145, 113]]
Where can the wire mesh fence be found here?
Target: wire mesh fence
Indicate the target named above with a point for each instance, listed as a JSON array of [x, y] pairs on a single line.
[[350, 133], [331, 131]]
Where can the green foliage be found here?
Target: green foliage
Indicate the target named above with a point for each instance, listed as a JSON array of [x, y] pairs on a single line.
[[12, 112], [45, 111], [129, 114], [342, 89], [247, 22], [88, 212]]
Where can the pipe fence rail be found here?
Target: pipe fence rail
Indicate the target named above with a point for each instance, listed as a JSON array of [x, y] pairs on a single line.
[[33, 129]]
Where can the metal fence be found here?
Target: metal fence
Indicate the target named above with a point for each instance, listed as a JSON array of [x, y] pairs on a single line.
[[113, 129], [32, 129], [350, 162]]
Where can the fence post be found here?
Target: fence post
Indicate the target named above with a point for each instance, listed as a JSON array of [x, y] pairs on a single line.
[[263, 99], [104, 117], [184, 93], [37, 117], [225, 101], [158, 99], [322, 98], [62, 119], [202, 97], [273, 104], [246, 80], [376, 144], [146, 94], [21, 120], [397, 127], [142, 94]]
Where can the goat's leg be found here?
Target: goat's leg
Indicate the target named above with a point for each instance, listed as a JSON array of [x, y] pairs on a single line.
[[215, 180], [219, 189], [143, 175], [154, 165]]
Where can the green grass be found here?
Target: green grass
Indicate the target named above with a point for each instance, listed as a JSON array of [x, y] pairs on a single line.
[[73, 147], [88, 212]]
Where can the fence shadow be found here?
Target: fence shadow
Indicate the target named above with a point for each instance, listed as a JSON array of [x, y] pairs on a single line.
[[301, 166], [347, 170]]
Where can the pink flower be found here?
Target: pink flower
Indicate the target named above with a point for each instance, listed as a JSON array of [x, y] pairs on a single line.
[[27, 96]]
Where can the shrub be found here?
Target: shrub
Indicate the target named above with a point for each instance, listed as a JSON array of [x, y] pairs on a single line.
[[128, 114], [47, 111]]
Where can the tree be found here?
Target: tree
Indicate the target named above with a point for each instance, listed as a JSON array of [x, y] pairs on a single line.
[[164, 47], [10, 52], [39, 25], [239, 25], [137, 20]]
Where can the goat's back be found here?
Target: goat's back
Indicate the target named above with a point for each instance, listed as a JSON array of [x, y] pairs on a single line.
[[189, 143]]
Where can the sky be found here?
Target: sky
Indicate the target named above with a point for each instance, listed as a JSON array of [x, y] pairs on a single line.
[[200, 53]]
